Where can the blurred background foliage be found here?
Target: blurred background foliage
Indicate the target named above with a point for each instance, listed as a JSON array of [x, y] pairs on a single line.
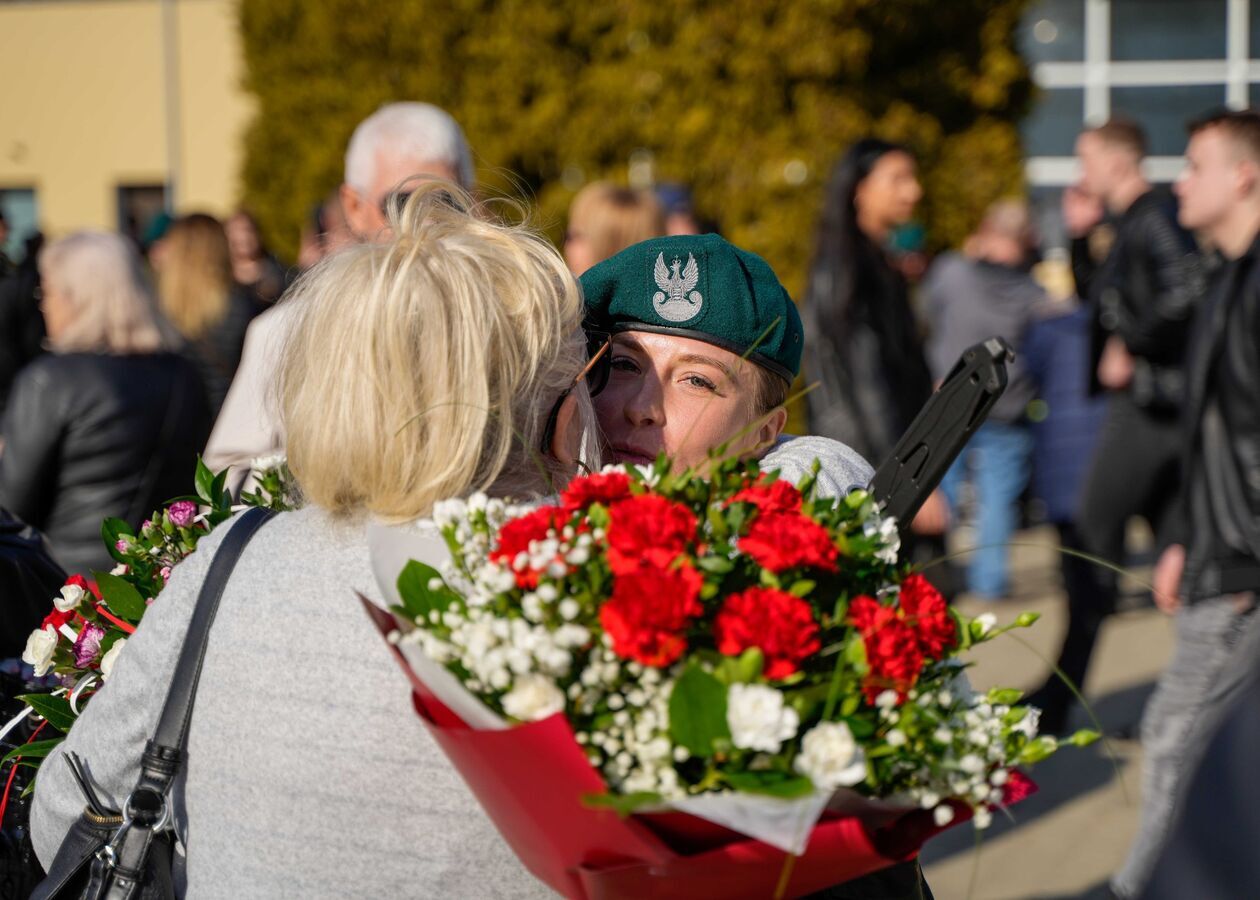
[[748, 102]]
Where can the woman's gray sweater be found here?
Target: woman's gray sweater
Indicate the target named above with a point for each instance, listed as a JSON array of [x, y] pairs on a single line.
[[309, 774]]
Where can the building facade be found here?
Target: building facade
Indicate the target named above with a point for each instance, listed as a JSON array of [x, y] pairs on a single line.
[[1159, 62], [117, 109]]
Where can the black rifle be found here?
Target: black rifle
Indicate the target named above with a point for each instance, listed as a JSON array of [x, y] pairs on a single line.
[[941, 429]]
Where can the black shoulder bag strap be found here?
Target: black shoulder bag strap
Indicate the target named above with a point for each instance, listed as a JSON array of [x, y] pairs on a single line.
[[121, 867]]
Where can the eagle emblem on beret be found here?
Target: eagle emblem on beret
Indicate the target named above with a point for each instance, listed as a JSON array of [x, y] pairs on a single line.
[[677, 300]]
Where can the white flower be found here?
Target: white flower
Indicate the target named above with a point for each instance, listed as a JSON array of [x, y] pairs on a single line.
[[1029, 724], [830, 757], [266, 463], [39, 650], [70, 598], [986, 621], [120, 569], [111, 657], [943, 815], [896, 738], [533, 697], [971, 764], [942, 735], [758, 718], [983, 818], [886, 699]]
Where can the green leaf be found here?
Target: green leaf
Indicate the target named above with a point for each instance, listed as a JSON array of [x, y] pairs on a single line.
[[204, 480], [33, 750], [850, 705], [750, 664], [55, 709], [962, 628], [718, 565], [1005, 696], [775, 784], [111, 530], [622, 804], [697, 711], [221, 497], [802, 588], [417, 596], [120, 596], [770, 580]]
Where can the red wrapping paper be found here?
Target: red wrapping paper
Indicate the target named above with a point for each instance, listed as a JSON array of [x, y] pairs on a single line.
[[530, 779]]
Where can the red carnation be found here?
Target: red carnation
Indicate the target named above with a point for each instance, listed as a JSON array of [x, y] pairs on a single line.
[[778, 541], [648, 529], [893, 656], [516, 536], [649, 611], [779, 624], [1017, 787], [602, 487], [927, 612], [771, 497]]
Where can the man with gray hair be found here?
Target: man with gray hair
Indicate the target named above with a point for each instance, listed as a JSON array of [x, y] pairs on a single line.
[[397, 142]]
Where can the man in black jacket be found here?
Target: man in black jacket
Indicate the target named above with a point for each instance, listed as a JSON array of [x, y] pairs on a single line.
[[1208, 577], [1143, 295]]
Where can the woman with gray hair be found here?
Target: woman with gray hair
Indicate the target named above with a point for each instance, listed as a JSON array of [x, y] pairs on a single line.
[[425, 367], [110, 422]]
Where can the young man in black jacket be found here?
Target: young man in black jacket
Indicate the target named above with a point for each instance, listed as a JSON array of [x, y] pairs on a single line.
[[1209, 576], [1143, 295]]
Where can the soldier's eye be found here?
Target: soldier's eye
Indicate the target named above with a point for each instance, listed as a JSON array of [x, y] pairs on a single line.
[[701, 382], [623, 364]]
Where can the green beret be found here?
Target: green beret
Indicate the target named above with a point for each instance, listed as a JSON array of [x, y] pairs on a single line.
[[701, 287]]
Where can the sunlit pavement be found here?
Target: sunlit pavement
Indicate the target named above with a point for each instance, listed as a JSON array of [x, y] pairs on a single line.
[[1066, 840]]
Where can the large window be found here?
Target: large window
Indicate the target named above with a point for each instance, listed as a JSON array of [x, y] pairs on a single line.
[[1160, 62]]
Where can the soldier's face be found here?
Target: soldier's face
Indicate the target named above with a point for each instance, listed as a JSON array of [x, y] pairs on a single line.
[[681, 397]]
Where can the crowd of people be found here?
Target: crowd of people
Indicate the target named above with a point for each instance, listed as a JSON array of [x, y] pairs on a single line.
[[1132, 393]]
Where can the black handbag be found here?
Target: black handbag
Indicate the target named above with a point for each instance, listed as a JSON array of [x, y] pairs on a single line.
[[126, 854]]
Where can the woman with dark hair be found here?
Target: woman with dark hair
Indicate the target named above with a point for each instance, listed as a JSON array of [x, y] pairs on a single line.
[[862, 340]]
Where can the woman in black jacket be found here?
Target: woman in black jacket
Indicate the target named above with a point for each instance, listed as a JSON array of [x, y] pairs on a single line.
[[110, 422]]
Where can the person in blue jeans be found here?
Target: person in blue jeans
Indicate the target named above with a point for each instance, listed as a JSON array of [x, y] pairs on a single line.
[[971, 296]]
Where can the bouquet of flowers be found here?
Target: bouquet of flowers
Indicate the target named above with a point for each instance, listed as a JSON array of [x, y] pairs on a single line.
[[731, 648], [81, 637]]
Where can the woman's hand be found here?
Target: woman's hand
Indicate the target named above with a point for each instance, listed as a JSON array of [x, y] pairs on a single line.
[[933, 516]]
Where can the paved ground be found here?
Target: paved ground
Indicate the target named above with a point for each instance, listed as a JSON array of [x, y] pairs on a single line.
[[1066, 840]]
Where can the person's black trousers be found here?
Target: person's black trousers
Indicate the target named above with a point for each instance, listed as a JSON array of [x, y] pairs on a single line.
[[1135, 472]]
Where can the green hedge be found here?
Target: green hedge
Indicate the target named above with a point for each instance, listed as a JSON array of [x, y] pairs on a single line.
[[748, 101]]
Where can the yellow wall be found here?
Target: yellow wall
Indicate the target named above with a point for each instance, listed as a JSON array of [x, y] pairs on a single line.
[[84, 109]]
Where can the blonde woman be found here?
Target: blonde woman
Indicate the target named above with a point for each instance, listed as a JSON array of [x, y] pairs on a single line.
[[200, 296], [110, 422], [421, 368], [605, 219]]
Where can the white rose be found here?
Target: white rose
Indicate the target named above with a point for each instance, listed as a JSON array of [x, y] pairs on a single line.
[[758, 718], [111, 657], [986, 621], [830, 757], [533, 697], [70, 598], [39, 650]]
